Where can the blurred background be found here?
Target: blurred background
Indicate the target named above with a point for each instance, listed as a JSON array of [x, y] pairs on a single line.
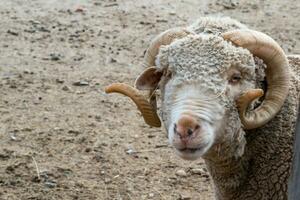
[[61, 137]]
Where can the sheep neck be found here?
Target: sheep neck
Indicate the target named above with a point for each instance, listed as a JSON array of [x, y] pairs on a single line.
[[228, 164]]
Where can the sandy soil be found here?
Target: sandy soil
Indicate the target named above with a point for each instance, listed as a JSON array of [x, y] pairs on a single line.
[[55, 59]]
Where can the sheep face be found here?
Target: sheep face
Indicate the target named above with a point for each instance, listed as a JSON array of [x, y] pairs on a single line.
[[203, 75]]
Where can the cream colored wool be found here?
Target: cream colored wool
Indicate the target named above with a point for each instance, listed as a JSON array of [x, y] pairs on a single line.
[[243, 164]]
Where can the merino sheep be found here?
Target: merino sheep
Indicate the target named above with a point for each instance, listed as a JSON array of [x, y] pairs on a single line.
[[210, 75]]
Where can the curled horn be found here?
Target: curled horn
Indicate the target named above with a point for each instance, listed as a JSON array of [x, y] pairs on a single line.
[[164, 38], [149, 114], [277, 73], [148, 109]]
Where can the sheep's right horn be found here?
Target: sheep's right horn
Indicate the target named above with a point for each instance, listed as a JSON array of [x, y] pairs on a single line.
[[148, 112], [164, 38], [277, 74]]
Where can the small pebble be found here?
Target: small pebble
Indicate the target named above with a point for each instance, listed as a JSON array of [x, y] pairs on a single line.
[[107, 180], [12, 137], [66, 88], [151, 195], [59, 80], [79, 9], [112, 60], [55, 57], [130, 151], [181, 173], [50, 184], [57, 129], [26, 71], [81, 83], [185, 197], [80, 92], [198, 171], [12, 32]]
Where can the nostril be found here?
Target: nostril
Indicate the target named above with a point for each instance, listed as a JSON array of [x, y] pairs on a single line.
[[197, 127], [190, 132]]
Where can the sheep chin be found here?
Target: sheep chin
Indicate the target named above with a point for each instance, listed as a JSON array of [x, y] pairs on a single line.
[[189, 156]]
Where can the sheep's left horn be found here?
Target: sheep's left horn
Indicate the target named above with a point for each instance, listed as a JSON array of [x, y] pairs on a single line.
[[277, 74], [245, 100], [148, 112]]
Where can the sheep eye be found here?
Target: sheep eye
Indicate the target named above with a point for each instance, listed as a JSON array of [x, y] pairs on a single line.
[[235, 78]]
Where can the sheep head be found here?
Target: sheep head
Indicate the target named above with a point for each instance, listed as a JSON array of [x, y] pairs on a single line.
[[207, 85]]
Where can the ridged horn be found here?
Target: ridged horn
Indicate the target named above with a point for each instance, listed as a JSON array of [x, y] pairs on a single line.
[[148, 112], [245, 99], [164, 38], [277, 72]]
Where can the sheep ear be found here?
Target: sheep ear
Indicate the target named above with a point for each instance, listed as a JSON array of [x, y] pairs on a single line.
[[148, 79]]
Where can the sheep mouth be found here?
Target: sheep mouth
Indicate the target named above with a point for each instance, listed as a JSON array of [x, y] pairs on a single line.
[[189, 150], [190, 153]]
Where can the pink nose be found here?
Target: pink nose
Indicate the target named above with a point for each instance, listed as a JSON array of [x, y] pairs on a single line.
[[186, 128]]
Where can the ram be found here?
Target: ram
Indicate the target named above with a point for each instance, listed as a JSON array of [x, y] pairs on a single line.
[[227, 94]]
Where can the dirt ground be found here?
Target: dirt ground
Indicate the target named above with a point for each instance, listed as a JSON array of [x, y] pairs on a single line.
[[61, 137]]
